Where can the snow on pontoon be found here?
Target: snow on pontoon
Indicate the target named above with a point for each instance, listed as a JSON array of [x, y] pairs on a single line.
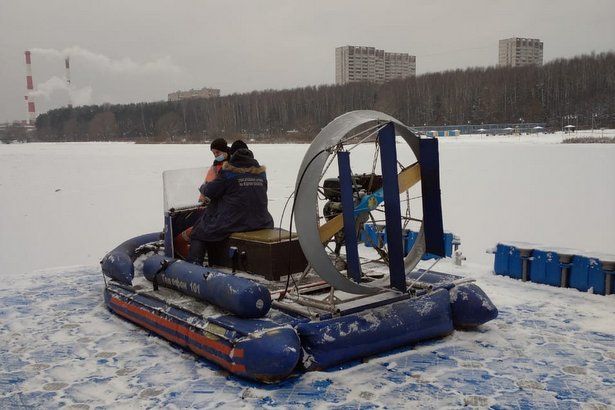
[[283, 302]]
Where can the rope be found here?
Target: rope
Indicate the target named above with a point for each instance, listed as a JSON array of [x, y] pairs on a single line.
[[360, 132], [370, 135], [163, 265]]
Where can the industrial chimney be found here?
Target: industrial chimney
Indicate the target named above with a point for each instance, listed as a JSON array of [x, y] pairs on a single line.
[[67, 66], [29, 89]]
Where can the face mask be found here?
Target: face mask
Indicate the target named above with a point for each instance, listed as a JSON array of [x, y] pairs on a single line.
[[221, 157]]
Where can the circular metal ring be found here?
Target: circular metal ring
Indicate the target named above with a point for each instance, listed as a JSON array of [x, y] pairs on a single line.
[[306, 196]]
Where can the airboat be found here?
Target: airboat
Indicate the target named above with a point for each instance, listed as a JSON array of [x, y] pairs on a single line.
[[284, 302]]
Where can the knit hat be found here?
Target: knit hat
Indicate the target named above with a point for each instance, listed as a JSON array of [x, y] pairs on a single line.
[[237, 145], [242, 154], [220, 144]]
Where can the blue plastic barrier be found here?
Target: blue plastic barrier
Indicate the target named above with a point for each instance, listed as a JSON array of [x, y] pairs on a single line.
[[586, 273], [449, 238], [372, 235], [409, 239], [448, 246], [512, 261], [500, 264], [515, 263], [546, 268], [550, 267], [376, 234]]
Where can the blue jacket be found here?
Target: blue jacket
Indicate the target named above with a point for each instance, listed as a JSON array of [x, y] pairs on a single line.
[[238, 201]]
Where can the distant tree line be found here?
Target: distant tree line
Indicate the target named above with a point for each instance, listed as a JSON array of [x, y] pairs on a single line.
[[10, 133], [578, 90], [589, 140]]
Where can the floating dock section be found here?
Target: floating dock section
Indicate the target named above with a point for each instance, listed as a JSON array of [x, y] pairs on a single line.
[[567, 268]]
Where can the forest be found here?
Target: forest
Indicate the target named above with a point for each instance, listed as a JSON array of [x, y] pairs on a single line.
[[580, 90]]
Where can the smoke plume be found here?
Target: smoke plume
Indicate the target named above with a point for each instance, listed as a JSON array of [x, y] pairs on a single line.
[[122, 66], [100, 70], [78, 96]]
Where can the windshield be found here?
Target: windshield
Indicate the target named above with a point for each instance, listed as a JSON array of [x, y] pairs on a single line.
[[181, 187]]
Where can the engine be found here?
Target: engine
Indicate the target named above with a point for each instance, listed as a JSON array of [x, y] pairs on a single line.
[[363, 184]]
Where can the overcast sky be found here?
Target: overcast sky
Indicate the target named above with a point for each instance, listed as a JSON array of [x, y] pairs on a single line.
[[140, 50]]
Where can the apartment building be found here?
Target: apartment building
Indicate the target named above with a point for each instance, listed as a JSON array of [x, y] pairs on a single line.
[[358, 63], [202, 93], [517, 51]]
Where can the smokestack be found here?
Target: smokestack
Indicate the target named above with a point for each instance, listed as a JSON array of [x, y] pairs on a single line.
[[29, 89], [67, 66]]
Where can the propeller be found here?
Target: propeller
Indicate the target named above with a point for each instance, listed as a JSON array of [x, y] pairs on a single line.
[[406, 180]]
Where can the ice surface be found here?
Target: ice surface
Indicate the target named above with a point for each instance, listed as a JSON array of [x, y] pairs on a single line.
[[96, 195], [550, 347], [68, 204]]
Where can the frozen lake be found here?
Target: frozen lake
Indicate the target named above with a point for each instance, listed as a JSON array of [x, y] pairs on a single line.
[[68, 204], [65, 205]]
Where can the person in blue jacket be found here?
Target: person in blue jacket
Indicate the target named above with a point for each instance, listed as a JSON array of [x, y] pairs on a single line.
[[236, 202], [237, 145]]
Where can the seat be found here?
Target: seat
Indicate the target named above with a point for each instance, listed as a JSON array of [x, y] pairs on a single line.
[[270, 235]]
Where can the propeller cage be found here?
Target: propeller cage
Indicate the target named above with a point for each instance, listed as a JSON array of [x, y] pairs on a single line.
[[312, 168]]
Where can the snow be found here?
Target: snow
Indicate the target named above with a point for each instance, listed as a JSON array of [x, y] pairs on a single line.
[[65, 205], [549, 347]]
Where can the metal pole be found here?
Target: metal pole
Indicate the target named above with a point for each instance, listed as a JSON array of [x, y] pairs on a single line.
[[564, 280], [608, 278]]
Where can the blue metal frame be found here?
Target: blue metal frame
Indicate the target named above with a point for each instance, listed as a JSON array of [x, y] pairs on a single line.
[[390, 185], [429, 162], [350, 232]]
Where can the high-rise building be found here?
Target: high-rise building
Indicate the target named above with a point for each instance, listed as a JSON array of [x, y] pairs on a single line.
[[202, 93], [357, 63], [516, 52]]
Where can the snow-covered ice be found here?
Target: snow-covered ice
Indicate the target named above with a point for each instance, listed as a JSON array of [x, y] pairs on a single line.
[[66, 205], [549, 348]]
